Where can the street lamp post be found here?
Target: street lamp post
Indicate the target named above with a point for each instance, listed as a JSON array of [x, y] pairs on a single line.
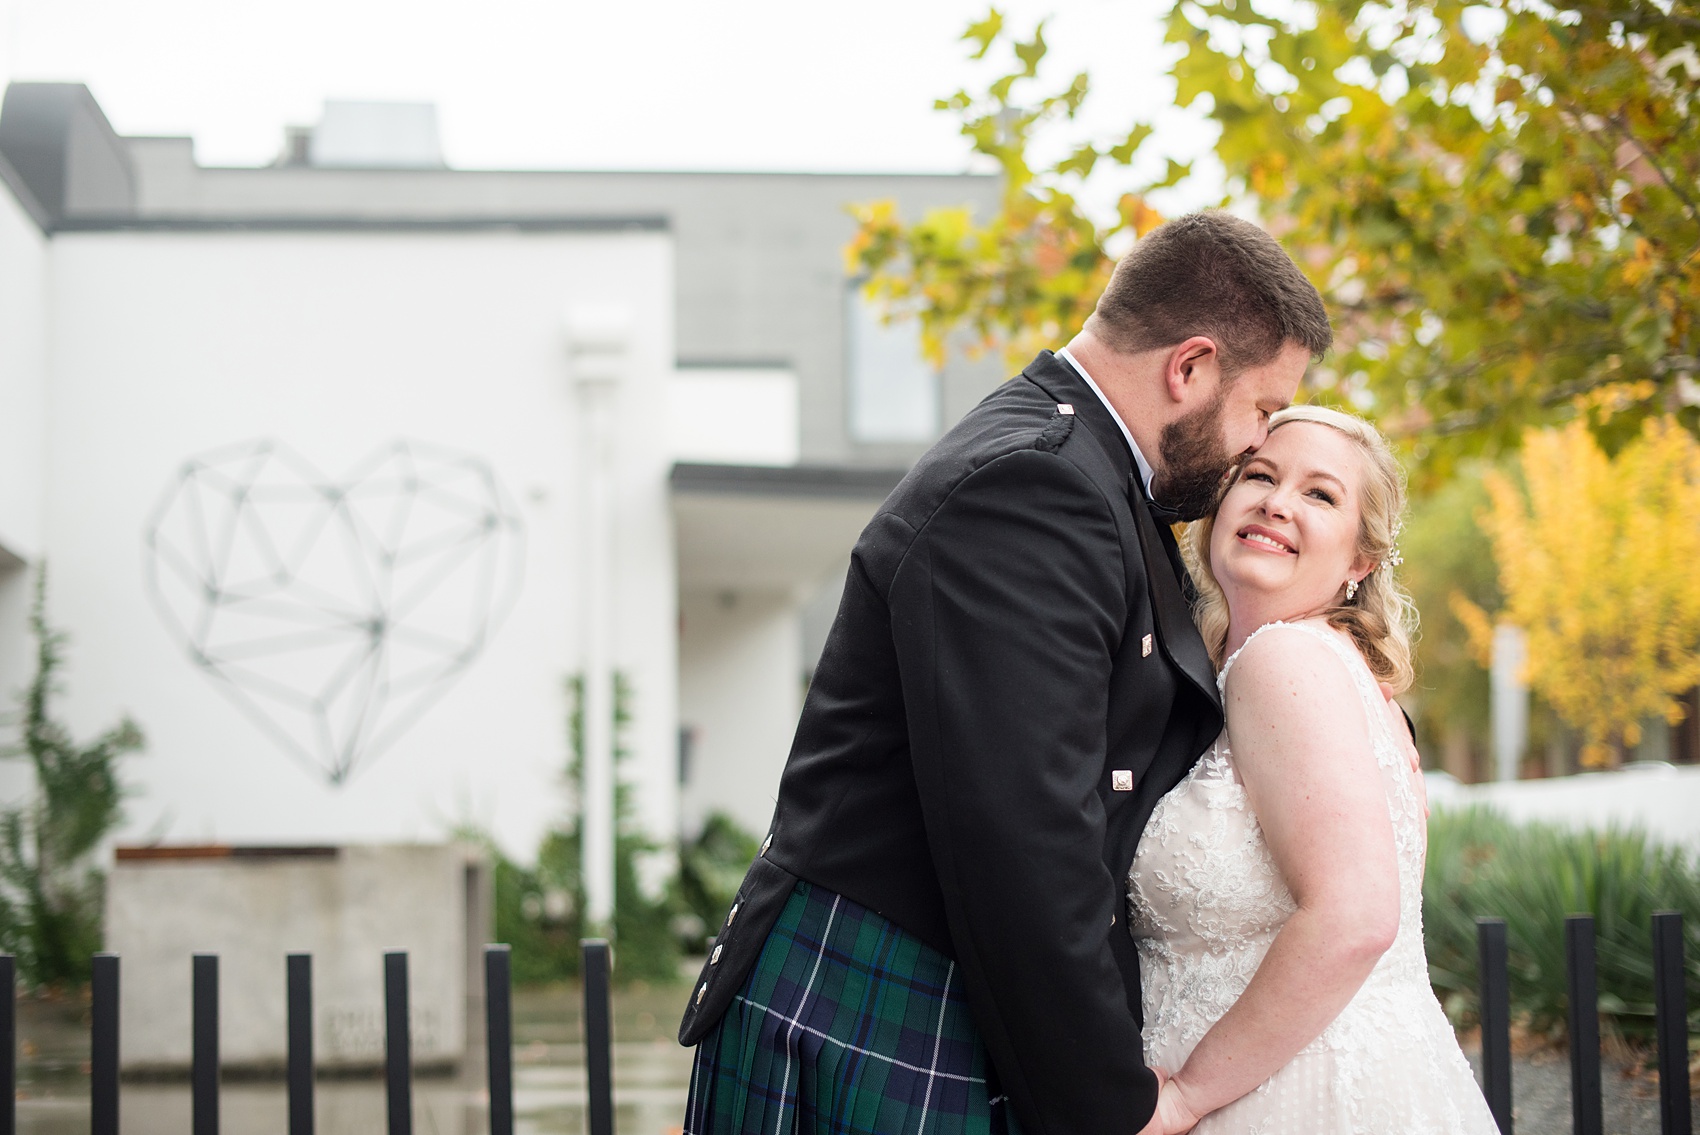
[[598, 340], [1510, 704]]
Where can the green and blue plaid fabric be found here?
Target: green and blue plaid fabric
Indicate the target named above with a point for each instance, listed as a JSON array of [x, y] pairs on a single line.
[[845, 1026]]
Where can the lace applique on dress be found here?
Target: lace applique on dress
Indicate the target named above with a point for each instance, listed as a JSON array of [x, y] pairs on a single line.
[[1206, 900]]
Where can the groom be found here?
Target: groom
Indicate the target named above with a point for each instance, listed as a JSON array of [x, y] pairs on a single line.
[[933, 932]]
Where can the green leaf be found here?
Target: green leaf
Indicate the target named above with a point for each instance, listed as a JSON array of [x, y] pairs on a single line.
[[1031, 52], [1080, 162], [985, 33], [1124, 150]]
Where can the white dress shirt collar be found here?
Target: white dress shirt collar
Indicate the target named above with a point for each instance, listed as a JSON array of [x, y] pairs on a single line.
[[1145, 471]]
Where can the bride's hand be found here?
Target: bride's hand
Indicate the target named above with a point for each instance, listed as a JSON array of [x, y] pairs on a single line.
[[1173, 1112]]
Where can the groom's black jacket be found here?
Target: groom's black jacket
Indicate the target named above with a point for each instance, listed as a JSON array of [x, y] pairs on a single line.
[[1013, 632]]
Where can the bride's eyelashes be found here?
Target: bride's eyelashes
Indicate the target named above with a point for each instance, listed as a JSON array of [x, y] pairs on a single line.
[[1320, 494]]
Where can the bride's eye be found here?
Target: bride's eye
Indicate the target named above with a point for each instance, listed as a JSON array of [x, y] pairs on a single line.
[[1258, 475], [1324, 495]]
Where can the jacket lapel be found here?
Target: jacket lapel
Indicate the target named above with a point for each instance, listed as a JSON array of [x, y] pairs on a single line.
[[1176, 634]]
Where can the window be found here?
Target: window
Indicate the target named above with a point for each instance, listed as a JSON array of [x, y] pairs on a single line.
[[894, 391]]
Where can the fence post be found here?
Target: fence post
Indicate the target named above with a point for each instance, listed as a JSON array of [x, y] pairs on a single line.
[[1496, 1019], [498, 1038], [598, 1041], [1670, 1023], [103, 1048], [398, 1046], [203, 1061], [9, 1037], [1587, 1118], [298, 977]]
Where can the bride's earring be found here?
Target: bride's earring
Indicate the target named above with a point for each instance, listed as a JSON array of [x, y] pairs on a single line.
[[1351, 590]]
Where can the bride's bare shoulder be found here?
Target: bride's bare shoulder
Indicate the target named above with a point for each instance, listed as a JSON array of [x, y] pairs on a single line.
[[1292, 702], [1299, 663]]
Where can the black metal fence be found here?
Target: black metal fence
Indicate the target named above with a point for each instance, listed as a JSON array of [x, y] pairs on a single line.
[[298, 978], [1670, 1016], [1670, 1008]]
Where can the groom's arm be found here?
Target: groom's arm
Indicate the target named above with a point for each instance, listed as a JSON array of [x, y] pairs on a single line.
[[1006, 614]]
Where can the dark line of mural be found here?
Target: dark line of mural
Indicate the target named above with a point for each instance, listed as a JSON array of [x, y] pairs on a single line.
[[334, 611]]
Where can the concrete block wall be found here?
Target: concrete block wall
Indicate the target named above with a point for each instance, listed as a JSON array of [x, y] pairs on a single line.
[[346, 906]]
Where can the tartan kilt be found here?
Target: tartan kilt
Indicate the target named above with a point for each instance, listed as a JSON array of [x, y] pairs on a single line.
[[845, 1026]]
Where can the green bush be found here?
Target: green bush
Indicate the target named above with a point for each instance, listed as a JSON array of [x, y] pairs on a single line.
[[710, 869], [540, 908], [1532, 875], [50, 888]]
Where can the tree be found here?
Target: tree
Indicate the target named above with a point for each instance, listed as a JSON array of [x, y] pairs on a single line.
[[1499, 200], [1447, 553], [50, 890], [1500, 197], [1028, 276], [1596, 562]]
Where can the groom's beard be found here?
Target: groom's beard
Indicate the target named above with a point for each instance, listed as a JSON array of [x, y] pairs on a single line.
[[1195, 461]]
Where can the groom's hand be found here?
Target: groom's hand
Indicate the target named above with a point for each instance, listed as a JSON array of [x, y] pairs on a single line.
[[1402, 734], [1173, 1112], [1155, 1126]]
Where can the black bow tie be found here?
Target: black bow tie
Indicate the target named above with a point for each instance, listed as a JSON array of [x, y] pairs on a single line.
[[1163, 514]]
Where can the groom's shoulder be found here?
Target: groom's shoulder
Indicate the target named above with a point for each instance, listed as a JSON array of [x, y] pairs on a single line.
[[1019, 428]]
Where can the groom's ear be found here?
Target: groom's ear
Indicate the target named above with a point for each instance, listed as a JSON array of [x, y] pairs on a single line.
[[1193, 370]]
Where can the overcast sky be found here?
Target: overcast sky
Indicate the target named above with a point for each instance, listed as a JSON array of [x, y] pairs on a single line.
[[636, 84]]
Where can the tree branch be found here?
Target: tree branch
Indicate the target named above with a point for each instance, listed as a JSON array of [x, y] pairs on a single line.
[[1464, 421], [1647, 155], [1635, 21]]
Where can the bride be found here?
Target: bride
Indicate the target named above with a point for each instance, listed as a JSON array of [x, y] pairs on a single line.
[[1277, 891]]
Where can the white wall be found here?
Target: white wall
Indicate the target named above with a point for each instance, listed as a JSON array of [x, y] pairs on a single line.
[[23, 408], [1662, 800], [733, 415], [166, 345], [740, 690], [23, 376]]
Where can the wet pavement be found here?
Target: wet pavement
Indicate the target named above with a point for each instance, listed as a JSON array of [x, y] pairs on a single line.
[[651, 1073], [1540, 1092]]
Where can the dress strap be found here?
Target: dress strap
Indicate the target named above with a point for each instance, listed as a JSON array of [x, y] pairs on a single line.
[[1228, 664], [1354, 662]]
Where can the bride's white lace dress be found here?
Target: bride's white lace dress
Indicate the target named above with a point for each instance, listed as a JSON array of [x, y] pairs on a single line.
[[1207, 900]]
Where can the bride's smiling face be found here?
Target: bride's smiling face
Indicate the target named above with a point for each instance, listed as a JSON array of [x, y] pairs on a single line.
[[1286, 533]]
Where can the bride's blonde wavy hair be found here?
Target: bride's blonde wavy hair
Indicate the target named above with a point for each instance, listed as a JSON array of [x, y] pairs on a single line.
[[1380, 618]]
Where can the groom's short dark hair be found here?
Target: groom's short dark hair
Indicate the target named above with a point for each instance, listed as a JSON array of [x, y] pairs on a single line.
[[1211, 274]]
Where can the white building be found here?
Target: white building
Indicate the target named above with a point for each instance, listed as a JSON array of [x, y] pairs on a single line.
[[301, 449]]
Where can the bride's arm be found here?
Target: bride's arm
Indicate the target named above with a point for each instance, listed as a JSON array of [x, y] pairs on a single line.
[[1301, 742]]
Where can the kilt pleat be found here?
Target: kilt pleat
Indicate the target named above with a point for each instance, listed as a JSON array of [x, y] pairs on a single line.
[[846, 1025]]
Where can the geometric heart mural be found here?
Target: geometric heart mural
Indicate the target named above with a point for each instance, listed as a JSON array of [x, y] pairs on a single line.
[[334, 611]]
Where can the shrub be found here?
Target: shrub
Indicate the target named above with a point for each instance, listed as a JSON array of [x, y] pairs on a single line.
[[540, 908], [50, 888], [710, 869], [1532, 875]]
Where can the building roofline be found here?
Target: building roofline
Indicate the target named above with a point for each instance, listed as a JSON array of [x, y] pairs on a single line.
[[309, 223], [733, 363], [462, 171], [27, 200], [814, 481]]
